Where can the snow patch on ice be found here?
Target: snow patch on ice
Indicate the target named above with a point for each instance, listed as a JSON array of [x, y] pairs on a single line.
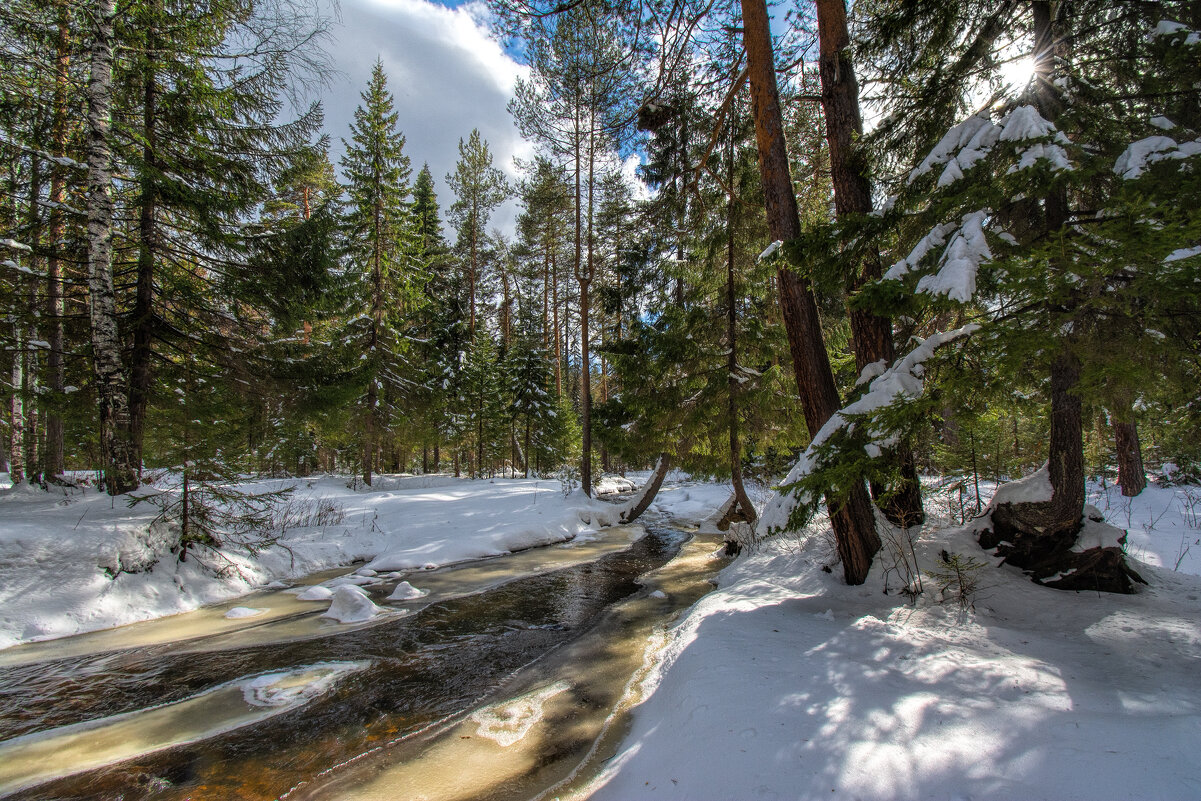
[[297, 686], [240, 612], [511, 721]]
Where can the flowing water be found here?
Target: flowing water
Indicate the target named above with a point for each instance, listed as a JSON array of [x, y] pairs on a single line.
[[509, 678]]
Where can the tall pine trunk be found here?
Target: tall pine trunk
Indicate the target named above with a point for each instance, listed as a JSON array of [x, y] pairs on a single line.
[[117, 453], [852, 519], [871, 335], [29, 386]]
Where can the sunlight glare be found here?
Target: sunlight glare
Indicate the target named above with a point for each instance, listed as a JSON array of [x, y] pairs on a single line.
[[1017, 73]]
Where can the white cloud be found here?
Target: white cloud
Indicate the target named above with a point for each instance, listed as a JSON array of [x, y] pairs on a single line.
[[447, 76]]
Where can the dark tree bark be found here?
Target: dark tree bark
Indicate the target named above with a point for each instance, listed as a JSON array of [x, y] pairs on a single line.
[[744, 501], [871, 334], [53, 459], [1132, 477], [852, 520], [143, 311]]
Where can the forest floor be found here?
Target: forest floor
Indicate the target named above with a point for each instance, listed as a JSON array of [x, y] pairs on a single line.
[[74, 560], [782, 683], [791, 684]]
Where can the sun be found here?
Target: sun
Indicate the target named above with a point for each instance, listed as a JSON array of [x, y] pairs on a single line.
[[1017, 73]]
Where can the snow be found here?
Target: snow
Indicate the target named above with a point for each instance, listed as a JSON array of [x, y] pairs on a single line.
[[77, 560], [315, 593], [973, 139], [240, 612], [956, 277], [1140, 154], [351, 605], [971, 134], [901, 382], [293, 687], [1167, 27], [407, 592], [791, 684], [611, 484], [1182, 253], [1034, 488], [769, 250]]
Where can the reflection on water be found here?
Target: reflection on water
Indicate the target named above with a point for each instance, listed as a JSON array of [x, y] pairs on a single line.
[[71, 749], [501, 648], [564, 716]]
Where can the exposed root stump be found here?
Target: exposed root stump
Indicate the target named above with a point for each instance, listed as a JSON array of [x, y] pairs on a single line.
[[1087, 556]]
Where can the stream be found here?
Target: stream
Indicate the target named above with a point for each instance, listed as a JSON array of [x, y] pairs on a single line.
[[511, 678]]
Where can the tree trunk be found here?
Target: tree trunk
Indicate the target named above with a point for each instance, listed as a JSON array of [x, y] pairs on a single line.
[[852, 519], [1039, 536], [53, 459], [646, 496], [1131, 475], [16, 439], [871, 335], [143, 311], [744, 501], [369, 433], [117, 454]]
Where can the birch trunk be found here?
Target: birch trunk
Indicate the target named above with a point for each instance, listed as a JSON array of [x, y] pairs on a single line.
[[120, 472]]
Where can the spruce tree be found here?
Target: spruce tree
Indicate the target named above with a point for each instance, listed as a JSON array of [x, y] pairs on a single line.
[[1059, 219], [379, 244], [479, 188]]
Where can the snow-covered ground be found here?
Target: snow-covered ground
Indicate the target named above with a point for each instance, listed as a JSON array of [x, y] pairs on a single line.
[[782, 683], [59, 550], [786, 683]]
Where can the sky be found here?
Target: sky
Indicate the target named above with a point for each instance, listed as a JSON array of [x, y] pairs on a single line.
[[446, 76]]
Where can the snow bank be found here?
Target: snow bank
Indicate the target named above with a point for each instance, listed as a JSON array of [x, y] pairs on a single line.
[[791, 684], [77, 560]]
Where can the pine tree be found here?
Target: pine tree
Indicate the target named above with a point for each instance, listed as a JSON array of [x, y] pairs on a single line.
[[851, 515]]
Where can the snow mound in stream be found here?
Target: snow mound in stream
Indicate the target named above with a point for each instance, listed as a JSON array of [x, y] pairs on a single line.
[[239, 612], [407, 592], [315, 593], [351, 605]]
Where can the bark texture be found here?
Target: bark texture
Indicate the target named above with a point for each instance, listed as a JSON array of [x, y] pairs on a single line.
[[1132, 476], [53, 461], [871, 334], [853, 522], [117, 455]]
